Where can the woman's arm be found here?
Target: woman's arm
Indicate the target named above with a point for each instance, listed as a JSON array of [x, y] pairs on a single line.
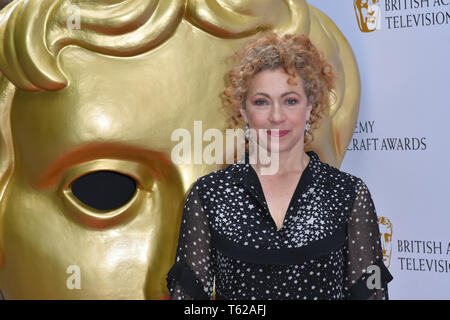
[[192, 275], [366, 276]]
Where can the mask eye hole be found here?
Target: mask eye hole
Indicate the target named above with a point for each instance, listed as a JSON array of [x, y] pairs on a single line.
[[104, 190]]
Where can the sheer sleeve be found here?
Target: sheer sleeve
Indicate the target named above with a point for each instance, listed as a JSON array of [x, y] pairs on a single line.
[[192, 275], [366, 277]]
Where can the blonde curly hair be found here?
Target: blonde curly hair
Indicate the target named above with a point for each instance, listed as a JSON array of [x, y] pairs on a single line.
[[295, 54]]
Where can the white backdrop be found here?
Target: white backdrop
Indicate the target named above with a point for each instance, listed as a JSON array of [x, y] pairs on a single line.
[[400, 146]]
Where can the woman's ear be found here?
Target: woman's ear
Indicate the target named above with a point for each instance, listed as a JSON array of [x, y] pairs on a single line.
[[308, 112], [244, 114]]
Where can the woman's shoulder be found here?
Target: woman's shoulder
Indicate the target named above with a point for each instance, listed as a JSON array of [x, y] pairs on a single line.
[[343, 186], [220, 177], [337, 178]]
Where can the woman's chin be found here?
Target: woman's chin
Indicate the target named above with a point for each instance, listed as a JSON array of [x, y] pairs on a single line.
[[279, 147]]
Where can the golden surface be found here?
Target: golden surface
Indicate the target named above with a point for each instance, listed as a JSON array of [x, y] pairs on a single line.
[[108, 96]]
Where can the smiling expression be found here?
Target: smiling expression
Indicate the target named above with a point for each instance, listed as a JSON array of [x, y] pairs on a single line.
[[272, 103]]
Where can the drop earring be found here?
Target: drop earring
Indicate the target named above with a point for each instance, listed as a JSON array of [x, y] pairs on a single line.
[[247, 131], [307, 128]]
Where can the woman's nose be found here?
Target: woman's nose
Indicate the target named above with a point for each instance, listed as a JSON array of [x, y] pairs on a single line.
[[276, 114]]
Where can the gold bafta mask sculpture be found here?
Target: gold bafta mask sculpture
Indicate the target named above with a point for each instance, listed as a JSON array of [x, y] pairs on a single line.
[[367, 14], [96, 87], [386, 231]]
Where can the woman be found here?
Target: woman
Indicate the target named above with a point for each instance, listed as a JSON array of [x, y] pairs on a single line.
[[309, 231]]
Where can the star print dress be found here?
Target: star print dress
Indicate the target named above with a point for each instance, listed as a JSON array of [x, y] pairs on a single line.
[[328, 247]]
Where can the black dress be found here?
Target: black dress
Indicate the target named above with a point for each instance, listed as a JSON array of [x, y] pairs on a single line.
[[328, 240]]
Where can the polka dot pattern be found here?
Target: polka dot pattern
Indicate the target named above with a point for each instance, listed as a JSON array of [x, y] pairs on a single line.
[[230, 202]]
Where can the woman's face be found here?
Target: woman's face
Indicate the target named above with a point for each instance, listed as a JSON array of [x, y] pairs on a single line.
[[272, 103]]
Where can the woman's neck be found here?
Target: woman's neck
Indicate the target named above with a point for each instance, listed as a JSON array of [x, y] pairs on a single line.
[[292, 160]]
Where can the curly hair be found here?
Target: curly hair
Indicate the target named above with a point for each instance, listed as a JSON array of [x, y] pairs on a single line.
[[296, 55]]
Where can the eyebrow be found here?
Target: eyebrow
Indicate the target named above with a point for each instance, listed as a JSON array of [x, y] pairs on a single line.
[[94, 151], [284, 94]]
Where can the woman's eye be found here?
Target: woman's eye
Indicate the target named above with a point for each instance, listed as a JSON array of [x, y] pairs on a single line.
[[104, 190], [260, 102], [292, 101]]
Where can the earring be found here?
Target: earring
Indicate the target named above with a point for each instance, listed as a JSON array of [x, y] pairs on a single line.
[[307, 127], [247, 131]]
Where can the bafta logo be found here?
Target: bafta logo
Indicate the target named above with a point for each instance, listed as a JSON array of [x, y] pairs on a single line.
[[386, 239], [367, 14]]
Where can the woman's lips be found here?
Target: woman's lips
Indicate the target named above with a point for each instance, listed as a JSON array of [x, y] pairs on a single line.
[[281, 133]]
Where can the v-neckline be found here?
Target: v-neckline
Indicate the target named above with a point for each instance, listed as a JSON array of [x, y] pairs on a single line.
[[303, 182]]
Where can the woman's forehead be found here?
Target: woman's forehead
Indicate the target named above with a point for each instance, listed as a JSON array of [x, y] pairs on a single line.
[[275, 81]]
